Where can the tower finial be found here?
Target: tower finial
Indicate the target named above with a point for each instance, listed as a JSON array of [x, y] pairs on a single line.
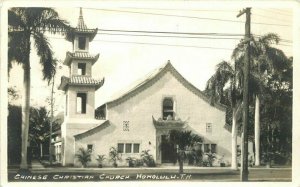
[[81, 24]]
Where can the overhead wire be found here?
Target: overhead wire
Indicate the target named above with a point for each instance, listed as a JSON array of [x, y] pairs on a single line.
[[193, 17]]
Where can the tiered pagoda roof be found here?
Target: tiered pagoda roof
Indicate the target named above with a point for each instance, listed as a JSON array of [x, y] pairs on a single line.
[[80, 81], [81, 29], [80, 56]]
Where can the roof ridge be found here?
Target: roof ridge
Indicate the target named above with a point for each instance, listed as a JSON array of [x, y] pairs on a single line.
[[154, 77]]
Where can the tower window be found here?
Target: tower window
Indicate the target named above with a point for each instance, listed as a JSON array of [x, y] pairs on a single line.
[[168, 109], [81, 103], [81, 43], [81, 69]]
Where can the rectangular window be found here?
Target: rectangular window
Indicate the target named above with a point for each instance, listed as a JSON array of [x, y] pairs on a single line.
[[81, 103], [120, 148], [90, 147], [208, 128], [213, 148], [136, 148], [81, 43], [128, 148], [81, 70], [206, 148], [125, 125]]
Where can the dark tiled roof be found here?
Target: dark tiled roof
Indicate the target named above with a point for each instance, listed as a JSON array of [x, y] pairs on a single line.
[[83, 80], [80, 80], [82, 29], [80, 55]]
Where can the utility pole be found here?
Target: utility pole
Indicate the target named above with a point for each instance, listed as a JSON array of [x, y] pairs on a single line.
[[244, 170], [51, 120]]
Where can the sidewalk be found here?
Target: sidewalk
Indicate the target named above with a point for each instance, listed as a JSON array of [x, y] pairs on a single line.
[[36, 165]]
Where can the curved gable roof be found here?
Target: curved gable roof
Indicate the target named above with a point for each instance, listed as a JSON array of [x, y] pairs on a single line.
[[154, 77]]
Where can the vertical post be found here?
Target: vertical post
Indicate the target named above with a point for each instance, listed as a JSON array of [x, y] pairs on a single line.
[[51, 121], [244, 170]]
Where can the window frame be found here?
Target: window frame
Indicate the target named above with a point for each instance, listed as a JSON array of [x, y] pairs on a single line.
[[165, 110], [83, 107], [125, 148], [81, 40], [87, 147], [83, 69]]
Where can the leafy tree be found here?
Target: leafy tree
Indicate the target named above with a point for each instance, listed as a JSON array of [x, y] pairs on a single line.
[[26, 24], [229, 76], [183, 140], [265, 59]]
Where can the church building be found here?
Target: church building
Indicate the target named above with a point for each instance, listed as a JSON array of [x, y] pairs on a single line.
[[138, 119]]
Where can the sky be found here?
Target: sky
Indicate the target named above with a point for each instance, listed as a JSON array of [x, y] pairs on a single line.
[[125, 57]]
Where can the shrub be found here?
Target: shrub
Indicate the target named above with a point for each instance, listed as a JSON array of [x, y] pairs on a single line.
[[100, 160], [83, 156], [148, 158], [131, 161], [114, 156], [209, 160]]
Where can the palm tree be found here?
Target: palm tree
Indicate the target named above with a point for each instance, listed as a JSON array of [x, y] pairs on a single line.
[[183, 140], [83, 156], [264, 59], [231, 77], [39, 123], [26, 24]]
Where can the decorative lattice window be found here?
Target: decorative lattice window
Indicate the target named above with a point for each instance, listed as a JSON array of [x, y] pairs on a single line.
[[208, 128], [125, 125]]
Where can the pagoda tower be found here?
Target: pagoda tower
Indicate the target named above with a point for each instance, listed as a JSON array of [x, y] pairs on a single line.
[[79, 89]]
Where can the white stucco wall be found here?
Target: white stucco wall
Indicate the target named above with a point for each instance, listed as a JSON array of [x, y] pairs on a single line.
[[139, 109]]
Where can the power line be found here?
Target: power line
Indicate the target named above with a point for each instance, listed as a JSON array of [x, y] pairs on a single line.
[[168, 36], [193, 17], [196, 10], [163, 44], [168, 32], [157, 44]]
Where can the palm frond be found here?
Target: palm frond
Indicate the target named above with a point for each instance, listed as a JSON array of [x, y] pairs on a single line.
[[46, 56]]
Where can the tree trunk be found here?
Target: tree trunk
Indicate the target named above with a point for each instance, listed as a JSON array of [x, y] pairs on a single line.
[[25, 114], [41, 150], [234, 140], [181, 158], [257, 130]]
